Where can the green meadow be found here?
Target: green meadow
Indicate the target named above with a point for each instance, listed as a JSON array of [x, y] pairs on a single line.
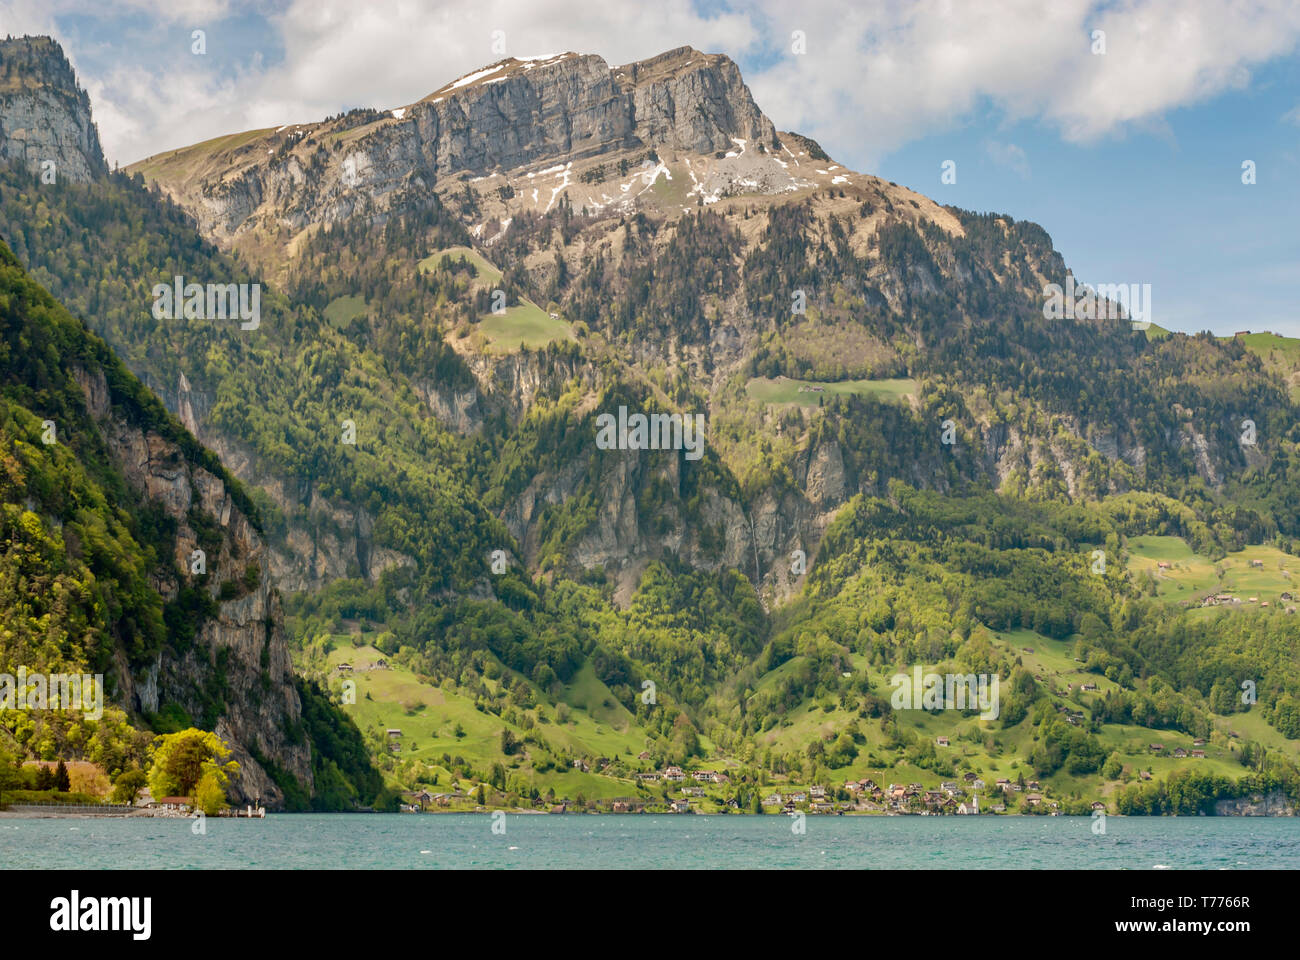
[[524, 324], [486, 274], [343, 310], [1262, 572], [438, 720], [1280, 355], [1266, 344], [184, 163]]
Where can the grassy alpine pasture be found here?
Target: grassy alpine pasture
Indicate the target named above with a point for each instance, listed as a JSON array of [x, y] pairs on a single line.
[[181, 165], [486, 275], [524, 324], [343, 310], [1273, 346], [438, 720], [1262, 572], [1280, 355]]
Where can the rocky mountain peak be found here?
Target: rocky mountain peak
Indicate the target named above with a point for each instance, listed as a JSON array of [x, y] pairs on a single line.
[[688, 100], [498, 129], [680, 99], [44, 112]]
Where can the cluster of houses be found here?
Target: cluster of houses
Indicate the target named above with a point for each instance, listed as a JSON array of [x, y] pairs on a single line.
[[346, 669], [960, 798], [951, 797], [184, 807], [417, 800], [1073, 717], [1196, 752], [675, 774], [815, 797], [683, 805], [1217, 599], [1221, 599], [865, 795]]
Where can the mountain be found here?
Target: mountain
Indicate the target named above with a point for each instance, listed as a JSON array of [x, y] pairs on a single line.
[[44, 114], [688, 231], [905, 460]]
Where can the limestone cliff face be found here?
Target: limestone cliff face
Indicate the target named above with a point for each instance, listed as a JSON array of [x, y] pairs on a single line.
[[689, 101], [758, 539], [515, 114], [44, 114], [241, 653], [1257, 805], [321, 540], [513, 382]]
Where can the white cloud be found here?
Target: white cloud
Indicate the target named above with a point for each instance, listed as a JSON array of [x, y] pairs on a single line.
[[340, 53], [878, 76], [20, 17], [875, 76], [338, 50]]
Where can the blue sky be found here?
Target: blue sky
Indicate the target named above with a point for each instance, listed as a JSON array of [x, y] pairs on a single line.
[[1131, 159], [1164, 206]]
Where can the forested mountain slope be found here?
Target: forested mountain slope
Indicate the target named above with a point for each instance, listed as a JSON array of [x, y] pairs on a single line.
[[129, 551]]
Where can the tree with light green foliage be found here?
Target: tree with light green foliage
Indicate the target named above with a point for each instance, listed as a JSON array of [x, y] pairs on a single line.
[[182, 760], [210, 792], [9, 773]]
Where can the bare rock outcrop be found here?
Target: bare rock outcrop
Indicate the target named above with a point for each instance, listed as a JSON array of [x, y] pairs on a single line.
[[44, 114], [238, 662]]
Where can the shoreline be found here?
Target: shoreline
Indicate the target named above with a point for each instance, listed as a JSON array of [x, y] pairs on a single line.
[[56, 815], [117, 815]]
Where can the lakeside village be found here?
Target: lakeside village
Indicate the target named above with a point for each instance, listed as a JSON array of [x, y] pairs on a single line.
[[711, 791]]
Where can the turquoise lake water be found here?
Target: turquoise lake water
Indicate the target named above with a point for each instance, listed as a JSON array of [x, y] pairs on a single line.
[[466, 841]]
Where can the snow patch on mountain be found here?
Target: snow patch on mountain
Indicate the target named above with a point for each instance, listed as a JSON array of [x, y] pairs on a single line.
[[471, 78], [564, 183]]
